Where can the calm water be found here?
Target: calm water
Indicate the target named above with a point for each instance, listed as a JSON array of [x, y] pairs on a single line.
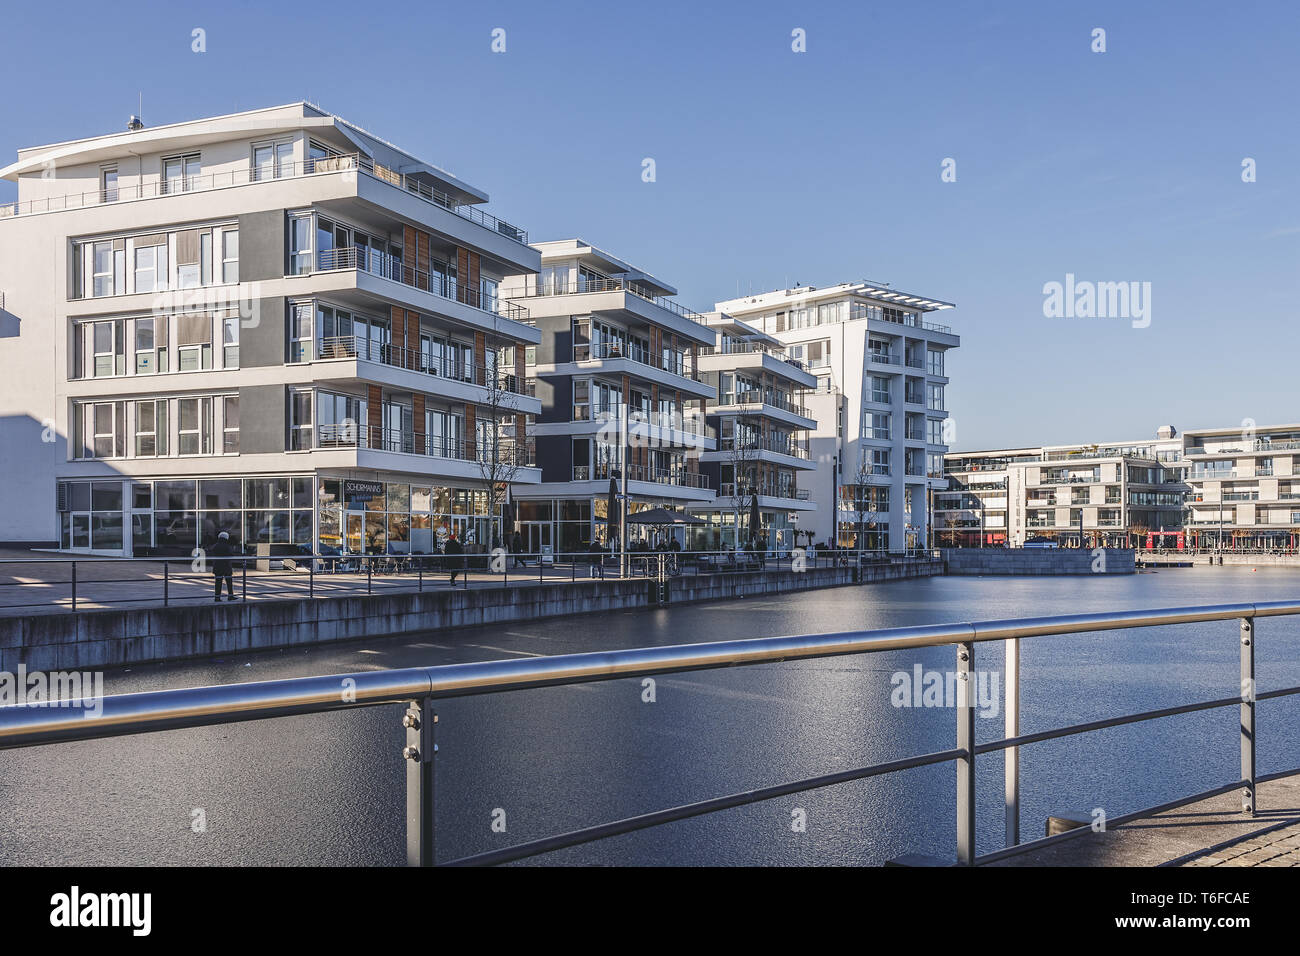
[[331, 788]]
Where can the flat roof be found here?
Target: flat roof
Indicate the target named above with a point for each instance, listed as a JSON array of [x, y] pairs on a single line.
[[865, 287]]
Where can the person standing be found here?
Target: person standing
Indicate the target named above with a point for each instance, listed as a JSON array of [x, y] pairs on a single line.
[[454, 551], [222, 569]]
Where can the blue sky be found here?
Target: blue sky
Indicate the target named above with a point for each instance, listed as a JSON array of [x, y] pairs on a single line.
[[775, 167]]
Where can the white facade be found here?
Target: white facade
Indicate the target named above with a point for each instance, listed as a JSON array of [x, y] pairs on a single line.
[[879, 404], [211, 325]]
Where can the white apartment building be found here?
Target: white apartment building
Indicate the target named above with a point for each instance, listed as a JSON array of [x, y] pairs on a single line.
[[1119, 494], [1244, 487], [617, 373], [879, 404], [761, 428], [271, 323]]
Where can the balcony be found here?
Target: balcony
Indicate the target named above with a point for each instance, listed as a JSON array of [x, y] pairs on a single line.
[[351, 435], [395, 270], [446, 367], [755, 397], [749, 348], [345, 163], [639, 421], [638, 354], [603, 471], [603, 283], [789, 449], [884, 358]]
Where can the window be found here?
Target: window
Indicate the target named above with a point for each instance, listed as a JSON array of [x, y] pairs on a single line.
[[108, 267], [880, 461], [300, 434], [316, 152], [151, 429], [934, 361], [300, 331], [230, 425], [230, 342], [272, 160], [107, 429], [934, 394], [194, 421], [934, 428], [581, 340], [880, 389], [230, 256], [581, 400], [181, 173], [107, 343], [300, 248], [151, 263], [194, 342], [876, 425], [108, 183], [150, 345], [189, 275]]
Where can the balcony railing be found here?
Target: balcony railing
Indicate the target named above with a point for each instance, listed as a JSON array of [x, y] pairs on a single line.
[[676, 363], [587, 284], [350, 162], [351, 435], [602, 471], [745, 348], [756, 397], [396, 270], [791, 449], [884, 358], [765, 490], [638, 420], [446, 366]]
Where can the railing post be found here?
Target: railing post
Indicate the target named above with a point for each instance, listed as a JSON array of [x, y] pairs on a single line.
[[1248, 715], [243, 580], [369, 568], [74, 585], [311, 577], [421, 747], [965, 763], [166, 582], [1012, 754]]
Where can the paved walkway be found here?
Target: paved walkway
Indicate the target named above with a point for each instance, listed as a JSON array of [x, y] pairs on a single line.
[[1211, 832]]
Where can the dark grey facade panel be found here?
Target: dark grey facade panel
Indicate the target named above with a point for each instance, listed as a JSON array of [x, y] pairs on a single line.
[[262, 335], [262, 413], [554, 457], [263, 245]]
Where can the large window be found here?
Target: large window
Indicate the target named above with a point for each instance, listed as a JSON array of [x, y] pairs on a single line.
[[194, 341], [273, 160], [181, 173], [230, 425], [151, 263], [151, 429], [230, 256], [300, 420], [934, 397], [194, 426]]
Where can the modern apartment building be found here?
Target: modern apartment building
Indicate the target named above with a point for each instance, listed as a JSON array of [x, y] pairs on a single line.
[[762, 445], [271, 323], [617, 374], [879, 404], [1118, 494], [1244, 487]]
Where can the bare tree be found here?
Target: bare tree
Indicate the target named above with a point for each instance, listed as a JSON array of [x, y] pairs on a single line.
[[862, 501], [499, 448], [746, 436]]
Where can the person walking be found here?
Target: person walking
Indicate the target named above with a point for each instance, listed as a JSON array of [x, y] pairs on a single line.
[[222, 569], [517, 548], [455, 562]]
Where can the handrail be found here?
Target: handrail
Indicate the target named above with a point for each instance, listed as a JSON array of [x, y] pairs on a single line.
[[27, 725], [343, 163]]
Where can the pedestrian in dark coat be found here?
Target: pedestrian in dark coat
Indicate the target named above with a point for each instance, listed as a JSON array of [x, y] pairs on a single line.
[[454, 551], [222, 567]]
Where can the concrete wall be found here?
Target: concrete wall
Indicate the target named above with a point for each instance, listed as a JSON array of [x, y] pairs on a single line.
[[111, 638], [1037, 561]]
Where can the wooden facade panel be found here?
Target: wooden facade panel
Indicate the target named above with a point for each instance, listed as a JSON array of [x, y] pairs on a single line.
[[374, 415]]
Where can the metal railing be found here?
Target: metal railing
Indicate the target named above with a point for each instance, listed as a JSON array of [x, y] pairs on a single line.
[[759, 397], [420, 688], [448, 366], [356, 435], [610, 284], [678, 363], [184, 577], [345, 163], [390, 267]]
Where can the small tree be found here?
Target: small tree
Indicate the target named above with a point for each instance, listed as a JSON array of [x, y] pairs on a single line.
[[499, 457], [862, 501]]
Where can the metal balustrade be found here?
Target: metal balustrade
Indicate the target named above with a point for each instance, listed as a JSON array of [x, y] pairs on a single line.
[[421, 688], [602, 283], [389, 267], [447, 366], [344, 163]]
